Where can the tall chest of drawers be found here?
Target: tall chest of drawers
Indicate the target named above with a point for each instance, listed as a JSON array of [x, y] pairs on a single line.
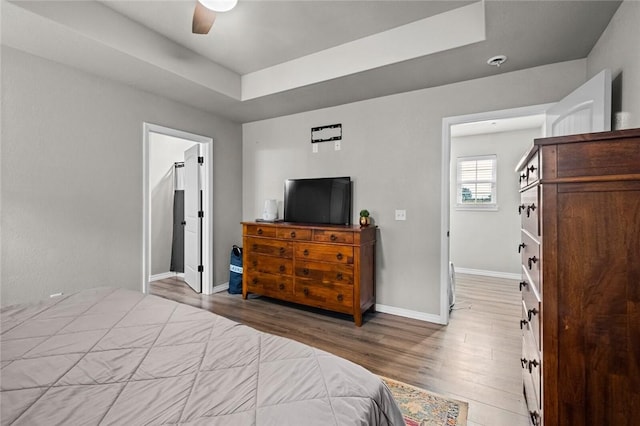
[[328, 267], [580, 248]]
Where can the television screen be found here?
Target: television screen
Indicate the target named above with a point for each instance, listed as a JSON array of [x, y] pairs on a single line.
[[320, 200]]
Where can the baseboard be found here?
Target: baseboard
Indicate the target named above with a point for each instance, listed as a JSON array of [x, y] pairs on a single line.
[[221, 287], [165, 275], [494, 274], [407, 313]]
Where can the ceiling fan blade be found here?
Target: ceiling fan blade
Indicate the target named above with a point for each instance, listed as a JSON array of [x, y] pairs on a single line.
[[203, 19]]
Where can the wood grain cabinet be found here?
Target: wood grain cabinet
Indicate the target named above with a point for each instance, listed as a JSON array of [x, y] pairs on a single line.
[[580, 248], [328, 267]]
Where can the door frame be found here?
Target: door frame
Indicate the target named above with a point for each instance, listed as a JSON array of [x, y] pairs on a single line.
[[447, 122], [207, 223]]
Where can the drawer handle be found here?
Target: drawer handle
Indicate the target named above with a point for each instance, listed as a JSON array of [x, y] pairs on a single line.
[[293, 234], [306, 252], [532, 364], [259, 231], [305, 271], [340, 298], [531, 261], [531, 313], [523, 322], [339, 256], [255, 263], [521, 246], [282, 268], [523, 284], [333, 237], [281, 250], [535, 418], [255, 281], [523, 362], [339, 276], [281, 286], [523, 177], [532, 169], [530, 208], [305, 291], [520, 208], [255, 247]]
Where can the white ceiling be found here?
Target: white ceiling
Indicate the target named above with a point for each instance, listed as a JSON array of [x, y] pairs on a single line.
[[148, 44]]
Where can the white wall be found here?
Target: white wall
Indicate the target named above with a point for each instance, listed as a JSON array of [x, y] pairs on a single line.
[[391, 148], [487, 240], [164, 151], [72, 178], [618, 50]]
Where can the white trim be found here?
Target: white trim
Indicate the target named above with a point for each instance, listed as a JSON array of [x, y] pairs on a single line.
[[221, 287], [494, 274], [165, 275], [447, 122], [407, 313], [207, 226]]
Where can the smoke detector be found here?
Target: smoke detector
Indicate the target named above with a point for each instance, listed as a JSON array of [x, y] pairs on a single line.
[[497, 60]]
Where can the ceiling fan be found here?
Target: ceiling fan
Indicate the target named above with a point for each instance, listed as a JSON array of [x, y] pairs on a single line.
[[204, 13]]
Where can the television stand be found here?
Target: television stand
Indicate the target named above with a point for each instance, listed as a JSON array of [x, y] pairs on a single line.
[[330, 267]]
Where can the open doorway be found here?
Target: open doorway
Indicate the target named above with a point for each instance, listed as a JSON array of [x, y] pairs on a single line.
[[467, 130], [164, 154]]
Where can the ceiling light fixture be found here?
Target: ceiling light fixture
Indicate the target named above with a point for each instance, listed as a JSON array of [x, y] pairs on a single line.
[[496, 61], [219, 5]]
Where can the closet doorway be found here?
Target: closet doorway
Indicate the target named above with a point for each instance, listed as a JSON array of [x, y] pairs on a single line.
[[177, 178]]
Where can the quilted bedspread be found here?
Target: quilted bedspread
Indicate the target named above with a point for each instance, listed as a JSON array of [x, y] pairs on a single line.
[[110, 356]]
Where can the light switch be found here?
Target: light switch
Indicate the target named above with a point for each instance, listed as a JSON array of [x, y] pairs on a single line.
[[315, 148], [337, 145]]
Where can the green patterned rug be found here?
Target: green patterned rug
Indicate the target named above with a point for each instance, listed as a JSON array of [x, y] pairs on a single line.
[[423, 408]]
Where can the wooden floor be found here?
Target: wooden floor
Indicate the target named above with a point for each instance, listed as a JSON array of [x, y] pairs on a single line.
[[475, 358]]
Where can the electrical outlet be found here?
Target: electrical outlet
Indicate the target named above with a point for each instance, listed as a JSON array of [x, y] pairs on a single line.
[[315, 148], [401, 215], [337, 146]]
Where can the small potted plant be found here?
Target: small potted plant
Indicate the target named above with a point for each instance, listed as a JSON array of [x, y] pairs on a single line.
[[364, 218]]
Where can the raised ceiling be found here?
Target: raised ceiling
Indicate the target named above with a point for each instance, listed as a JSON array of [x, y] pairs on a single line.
[[345, 50]]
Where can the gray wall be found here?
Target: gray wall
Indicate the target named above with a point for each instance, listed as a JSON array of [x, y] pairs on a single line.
[[164, 151], [618, 50], [391, 148], [72, 178], [487, 240]]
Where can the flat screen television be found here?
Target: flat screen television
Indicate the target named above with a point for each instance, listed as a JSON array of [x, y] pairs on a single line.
[[319, 200]]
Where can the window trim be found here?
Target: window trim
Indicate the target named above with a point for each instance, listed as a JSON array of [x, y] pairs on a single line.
[[493, 206]]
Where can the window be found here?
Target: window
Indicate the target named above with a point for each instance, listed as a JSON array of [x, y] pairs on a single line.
[[476, 183]]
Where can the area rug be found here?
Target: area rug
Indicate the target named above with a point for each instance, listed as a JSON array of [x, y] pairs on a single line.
[[423, 408]]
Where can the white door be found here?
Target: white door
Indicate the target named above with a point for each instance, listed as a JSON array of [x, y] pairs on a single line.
[[587, 109], [193, 219]]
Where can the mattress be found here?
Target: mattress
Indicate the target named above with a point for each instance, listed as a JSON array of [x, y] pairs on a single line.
[[110, 356]]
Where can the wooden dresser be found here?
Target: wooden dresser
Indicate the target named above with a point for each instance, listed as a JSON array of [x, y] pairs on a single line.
[[580, 209], [329, 267]]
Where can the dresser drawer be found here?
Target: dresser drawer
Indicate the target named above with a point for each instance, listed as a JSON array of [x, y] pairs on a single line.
[[268, 264], [531, 260], [336, 297], [324, 253], [278, 286], [531, 310], [270, 247], [344, 237], [260, 230], [528, 210], [533, 402], [530, 363], [533, 169], [325, 272], [294, 234]]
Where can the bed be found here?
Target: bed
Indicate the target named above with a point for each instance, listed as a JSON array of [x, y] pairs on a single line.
[[111, 356]]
